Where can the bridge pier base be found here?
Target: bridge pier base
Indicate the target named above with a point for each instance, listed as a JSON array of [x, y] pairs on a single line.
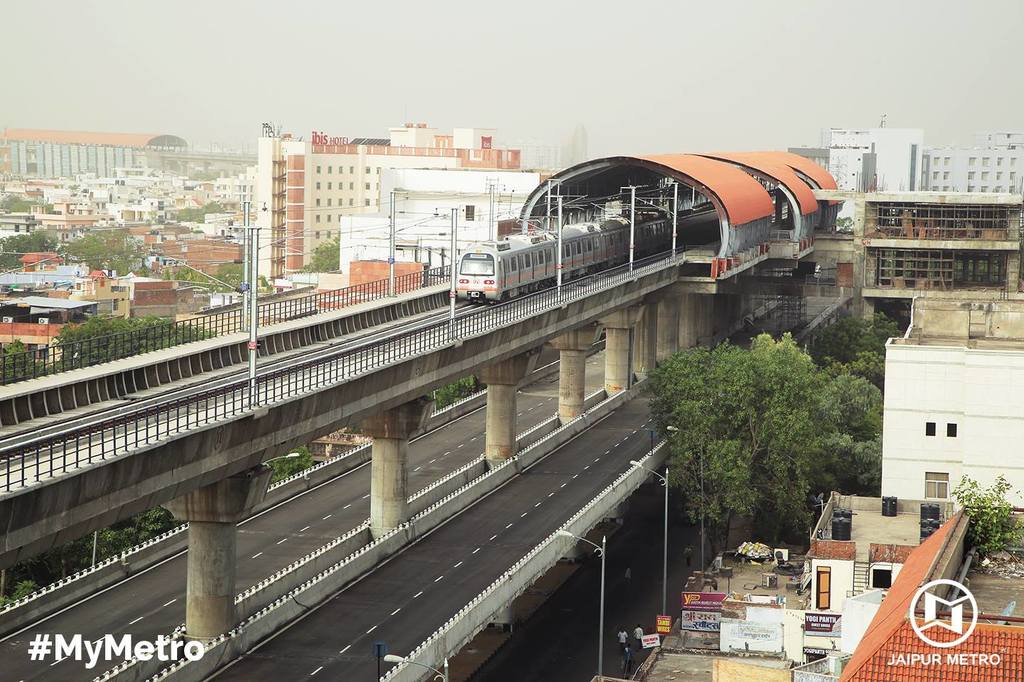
[[572, 370], [503, 379], [689, 321], [645, 341], [213, 513], [389, 471], [618, 329]]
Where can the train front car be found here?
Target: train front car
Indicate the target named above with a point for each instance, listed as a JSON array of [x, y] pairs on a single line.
[[478, 275]]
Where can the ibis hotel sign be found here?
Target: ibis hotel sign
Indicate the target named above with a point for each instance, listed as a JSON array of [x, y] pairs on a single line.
[[320, 137]]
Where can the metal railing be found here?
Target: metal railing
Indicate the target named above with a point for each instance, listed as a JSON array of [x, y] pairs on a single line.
[[61, 357], [31, 460]]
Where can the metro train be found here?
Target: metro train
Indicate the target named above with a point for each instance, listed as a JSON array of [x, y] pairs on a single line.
[[519, 264]]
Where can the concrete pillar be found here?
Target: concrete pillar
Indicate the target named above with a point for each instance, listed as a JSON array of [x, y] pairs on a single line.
[[689, 324], [867, 308], [645, 339], [502, 381], [572, 370], [389, 473], [212, 513], [617, 332], [668, 325]]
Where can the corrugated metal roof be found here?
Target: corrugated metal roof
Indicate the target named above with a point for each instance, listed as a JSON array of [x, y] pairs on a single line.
[[767, 163], [743, 197], [82, 137], [804, 165]]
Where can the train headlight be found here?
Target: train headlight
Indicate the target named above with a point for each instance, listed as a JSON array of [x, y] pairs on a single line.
[[488, 281], [463, 281]]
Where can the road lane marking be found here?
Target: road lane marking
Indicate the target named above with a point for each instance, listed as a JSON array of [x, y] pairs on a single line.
[[432, 461], [438, 578], [371, 629], [522, 516], [509, 525], [328, 516], [551, 494], [366, 495], [316, 671], [536, 505], [457, 565], [562, 486], [417, 468], [461, 444], [476, 550], [575, 475], [282, 540], [492, 537], [345, 649], [396, 610], [256, 554], [136, 620], [170, 602], [343, 508], [417, 594], [303, 530]]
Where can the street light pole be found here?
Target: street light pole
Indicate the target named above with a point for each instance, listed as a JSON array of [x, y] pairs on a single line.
[[632, 224], [675, 213], [252, 275], [558, 261], [454, 265], [664, 558], [600, 623], [442, 675], [391, 249]]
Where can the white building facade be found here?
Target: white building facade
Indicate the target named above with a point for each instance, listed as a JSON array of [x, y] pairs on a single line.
[[995, 163], [954, 388], [875, 159]]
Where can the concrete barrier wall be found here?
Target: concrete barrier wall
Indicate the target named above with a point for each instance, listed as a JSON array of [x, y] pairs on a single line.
[[271, 606]]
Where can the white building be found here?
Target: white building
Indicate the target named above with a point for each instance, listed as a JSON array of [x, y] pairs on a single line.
[[424, 199], [995, 163], [875, 159], [308, 186], [954, 387]]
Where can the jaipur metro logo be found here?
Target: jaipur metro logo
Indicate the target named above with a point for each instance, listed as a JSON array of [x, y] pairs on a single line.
[[930, 603]]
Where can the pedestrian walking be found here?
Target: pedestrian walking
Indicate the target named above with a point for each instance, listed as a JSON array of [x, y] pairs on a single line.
[[638, 635], [629, 574], [623, 638], [627, 660]]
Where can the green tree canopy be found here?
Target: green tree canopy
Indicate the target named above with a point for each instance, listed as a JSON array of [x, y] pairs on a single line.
[[993, 527], [759, 423], [326, 258], [108, 250], [198, 215], [855, 346], [135, 335], [16, 204], [12, 248]]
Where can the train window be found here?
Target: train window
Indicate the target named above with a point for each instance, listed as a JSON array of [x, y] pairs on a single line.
[[522, 262], [478, 264], [579, 248], [512, 263], [590, 245]]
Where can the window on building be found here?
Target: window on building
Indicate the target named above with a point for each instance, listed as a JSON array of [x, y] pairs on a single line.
[[367, 170], [970, 188], [947, 161], [929, 428], [351, 185], [378, 170], [317, 202], [318, 185], [318, 170], [350, 202], [328, 201], [973, 161], [367, 202], [984, 188], [881, 578], [945, 175], [1013, 160], [823, 588], [936, 485], [351, 170], [328, 217], [984, 175], [951, 430], [999, 161], [470, 212], [367, 185], [318, 217], [999, 175], [970, 175], [997, 188], [330, 235], [330, 169], [317, 235], [935, 175], [985, 161]]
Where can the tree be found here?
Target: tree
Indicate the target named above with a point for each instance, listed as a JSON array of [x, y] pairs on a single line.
[[111, 250], [993, 527], [766, 426], [198, 215], [326, 258], [14, 247], [15, 204], [289, 466], [135, 335], [455, 391], [855, 346]]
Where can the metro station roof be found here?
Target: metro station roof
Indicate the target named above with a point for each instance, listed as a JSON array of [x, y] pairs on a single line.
[[768, 164], [744, 198], [137, 140]]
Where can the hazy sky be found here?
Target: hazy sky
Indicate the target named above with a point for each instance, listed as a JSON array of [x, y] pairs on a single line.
[[641, 76]]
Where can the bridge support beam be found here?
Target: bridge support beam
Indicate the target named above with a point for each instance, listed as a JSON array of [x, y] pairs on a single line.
[[688, 322], [668, 325], [389, 471], [213, 513], [503, 379], [572, 370], [645, 341], [618, 328]]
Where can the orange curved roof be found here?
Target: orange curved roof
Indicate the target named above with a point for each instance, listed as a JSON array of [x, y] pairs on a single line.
[[763, 162], [802, 164], [80, 137], [743, 197]]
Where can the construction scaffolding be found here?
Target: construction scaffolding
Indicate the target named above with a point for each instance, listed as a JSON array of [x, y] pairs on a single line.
[[902, 220], [939, 269]]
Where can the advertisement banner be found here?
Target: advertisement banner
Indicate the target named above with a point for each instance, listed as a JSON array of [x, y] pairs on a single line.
[[823, 624], [663, 625], [700, 621], [650, 641], [703, 601]]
